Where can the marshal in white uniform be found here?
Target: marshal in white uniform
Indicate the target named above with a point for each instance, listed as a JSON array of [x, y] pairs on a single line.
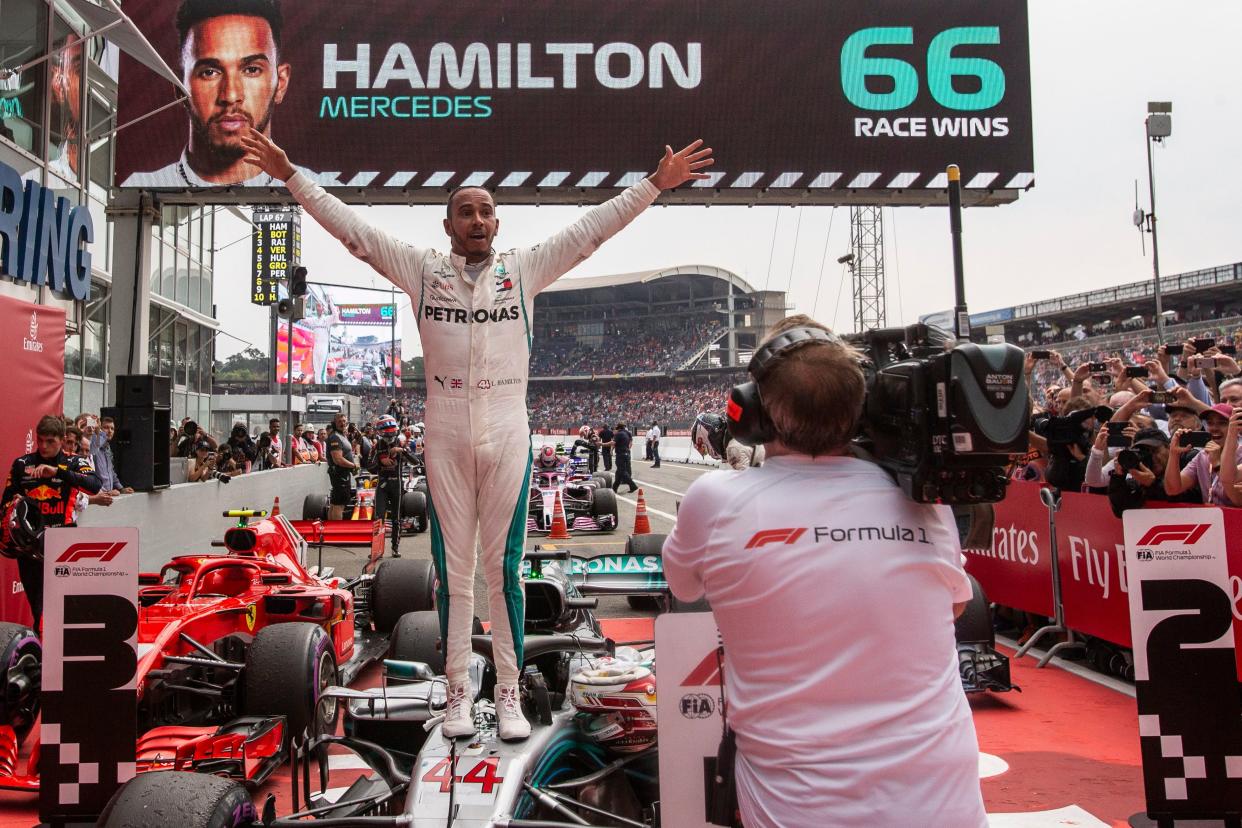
[[834, 596]]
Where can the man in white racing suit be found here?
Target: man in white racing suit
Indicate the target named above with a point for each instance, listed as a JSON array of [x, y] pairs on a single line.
[[321, 324], [474, 308]]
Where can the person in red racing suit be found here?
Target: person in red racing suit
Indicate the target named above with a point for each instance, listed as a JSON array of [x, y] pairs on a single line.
[[51, 479]]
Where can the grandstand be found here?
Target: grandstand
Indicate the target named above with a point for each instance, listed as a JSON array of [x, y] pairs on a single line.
[[1120, 321], [651, 323], [1112, 317], [657, 344]]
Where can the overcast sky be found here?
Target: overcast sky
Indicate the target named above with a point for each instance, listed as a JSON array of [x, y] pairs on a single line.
[[1094, 66]]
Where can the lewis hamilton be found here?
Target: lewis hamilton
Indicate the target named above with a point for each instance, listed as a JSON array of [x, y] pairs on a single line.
[[473, 307]]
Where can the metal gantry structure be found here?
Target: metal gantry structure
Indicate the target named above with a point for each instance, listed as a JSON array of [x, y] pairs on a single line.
[[867, 267]]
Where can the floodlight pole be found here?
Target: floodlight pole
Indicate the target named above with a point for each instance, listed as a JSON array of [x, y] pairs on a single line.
[[1151, 217]]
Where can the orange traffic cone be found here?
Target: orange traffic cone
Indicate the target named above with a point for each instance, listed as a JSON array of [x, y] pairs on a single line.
[[559, 530], [276, 506], [642, 526]]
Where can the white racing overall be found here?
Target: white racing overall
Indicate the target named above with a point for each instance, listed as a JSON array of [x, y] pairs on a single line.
[[476, 350]]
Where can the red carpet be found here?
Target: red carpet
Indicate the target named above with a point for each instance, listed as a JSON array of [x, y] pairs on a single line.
[[1067, 741]]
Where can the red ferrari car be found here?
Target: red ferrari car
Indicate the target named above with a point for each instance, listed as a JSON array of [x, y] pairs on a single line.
[[234, 648]]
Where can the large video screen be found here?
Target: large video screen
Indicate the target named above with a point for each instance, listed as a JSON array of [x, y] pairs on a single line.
[[341, 344], [559, 96]]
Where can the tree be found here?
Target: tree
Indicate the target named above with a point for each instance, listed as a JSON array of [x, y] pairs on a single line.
[[412, 369], [250, 365]]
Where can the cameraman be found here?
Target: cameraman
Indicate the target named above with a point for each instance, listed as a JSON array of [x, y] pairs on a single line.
[[1069, 437], [241, 443], [341, 465], [1138, 474], [188, 437], [206, 464], [388, 463], [819, 740]]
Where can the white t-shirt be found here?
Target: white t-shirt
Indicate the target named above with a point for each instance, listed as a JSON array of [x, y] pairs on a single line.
[[654, 434], [841, 667]]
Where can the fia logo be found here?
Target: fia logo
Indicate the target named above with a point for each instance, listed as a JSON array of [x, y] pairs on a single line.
[[33, 343], [1143, 554]]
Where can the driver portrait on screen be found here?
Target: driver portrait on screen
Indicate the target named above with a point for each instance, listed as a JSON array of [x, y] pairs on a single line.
[[231, 64]]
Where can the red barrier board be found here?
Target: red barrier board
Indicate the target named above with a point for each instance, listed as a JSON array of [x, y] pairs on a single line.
[[1015, 571]]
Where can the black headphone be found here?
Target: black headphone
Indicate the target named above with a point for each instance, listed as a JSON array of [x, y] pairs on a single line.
[[749, 423]]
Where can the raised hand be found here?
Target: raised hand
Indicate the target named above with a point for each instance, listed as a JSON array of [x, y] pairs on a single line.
[[266, 155], [676, 168]]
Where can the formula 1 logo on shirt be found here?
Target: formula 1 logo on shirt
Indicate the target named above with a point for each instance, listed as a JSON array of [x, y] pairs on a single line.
[[766, 536]]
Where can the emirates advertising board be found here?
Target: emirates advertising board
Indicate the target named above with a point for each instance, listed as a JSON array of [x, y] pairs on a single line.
[[562, 98]]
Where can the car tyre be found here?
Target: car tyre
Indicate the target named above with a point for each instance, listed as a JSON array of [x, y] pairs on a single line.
[[315, 507], [975, 622], [604, 504], [187, 800], [21, 658], [417, 638], [288, 665], [606, 477], [414, 505], [401, 586]]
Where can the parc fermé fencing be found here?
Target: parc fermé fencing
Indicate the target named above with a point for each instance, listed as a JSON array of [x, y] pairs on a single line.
[[1016, 571]]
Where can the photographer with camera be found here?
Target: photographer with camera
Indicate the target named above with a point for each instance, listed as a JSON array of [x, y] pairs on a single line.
[[389, 462], [206, 465], [242, 451], [818, 739], [1069, 435], [187, 437]]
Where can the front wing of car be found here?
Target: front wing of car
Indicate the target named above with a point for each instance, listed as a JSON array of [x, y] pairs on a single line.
[[248, 749]]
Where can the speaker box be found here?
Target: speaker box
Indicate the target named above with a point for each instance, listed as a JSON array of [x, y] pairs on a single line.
[[140, 447], [143, 390]]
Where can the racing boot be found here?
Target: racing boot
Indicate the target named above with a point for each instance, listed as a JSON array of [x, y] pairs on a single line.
[[459, 715], [513, 725]]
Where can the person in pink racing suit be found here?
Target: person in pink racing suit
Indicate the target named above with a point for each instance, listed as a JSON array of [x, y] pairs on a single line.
[[473, 307]]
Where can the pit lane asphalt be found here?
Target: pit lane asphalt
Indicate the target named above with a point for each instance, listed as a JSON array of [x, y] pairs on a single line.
[[662, 487]]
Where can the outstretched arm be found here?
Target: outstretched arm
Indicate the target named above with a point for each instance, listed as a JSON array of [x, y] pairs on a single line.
[[394, 260], [558, 255]]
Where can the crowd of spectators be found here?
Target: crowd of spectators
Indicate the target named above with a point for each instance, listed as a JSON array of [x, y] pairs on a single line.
[[242, 452], [673, 402], [402, 405], [1135, 348], [1137, 328], [1139, 428], [624, 347]]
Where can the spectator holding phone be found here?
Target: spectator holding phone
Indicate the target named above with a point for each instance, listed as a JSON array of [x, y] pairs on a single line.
[[1204, 468], [1230, 473]]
